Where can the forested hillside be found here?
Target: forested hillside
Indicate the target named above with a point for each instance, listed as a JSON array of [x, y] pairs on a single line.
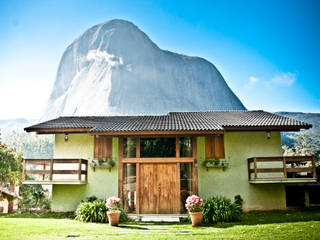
[[30, 144], [306, 141]]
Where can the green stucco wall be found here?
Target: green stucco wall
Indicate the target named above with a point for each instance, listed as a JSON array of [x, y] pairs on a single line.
[[101, 182], [239, 146]]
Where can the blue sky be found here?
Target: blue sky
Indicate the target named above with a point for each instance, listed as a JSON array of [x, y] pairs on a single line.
[[268, 51]]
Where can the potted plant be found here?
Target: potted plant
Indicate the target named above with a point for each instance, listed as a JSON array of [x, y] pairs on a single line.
[[113, 206], [194, 206]]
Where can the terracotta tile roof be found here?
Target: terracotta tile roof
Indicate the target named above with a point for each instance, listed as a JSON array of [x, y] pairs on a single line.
[[176, 121]]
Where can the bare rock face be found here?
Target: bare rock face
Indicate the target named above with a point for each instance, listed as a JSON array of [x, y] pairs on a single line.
[[114, 68]]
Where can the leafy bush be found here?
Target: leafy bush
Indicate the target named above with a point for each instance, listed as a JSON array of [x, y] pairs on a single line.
[[222, 209], [92, 212], [96, 211]]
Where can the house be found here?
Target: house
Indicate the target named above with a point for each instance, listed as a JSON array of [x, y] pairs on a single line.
[[159, 159]]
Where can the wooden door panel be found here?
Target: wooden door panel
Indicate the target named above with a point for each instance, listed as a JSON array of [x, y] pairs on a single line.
[[159, 188], [169, 194], [148, 193]]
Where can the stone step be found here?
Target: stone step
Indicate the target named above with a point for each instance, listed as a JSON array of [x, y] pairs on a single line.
[[158, 217]]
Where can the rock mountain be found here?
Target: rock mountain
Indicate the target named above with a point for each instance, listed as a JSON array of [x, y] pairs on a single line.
[[114, 68]]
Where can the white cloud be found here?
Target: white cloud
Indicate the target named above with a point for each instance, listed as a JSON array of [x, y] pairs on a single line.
[[252, 81], [284, 79]]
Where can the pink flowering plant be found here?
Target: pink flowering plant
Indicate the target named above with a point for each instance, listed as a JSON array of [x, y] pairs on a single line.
[[194, 203], [113, 204]]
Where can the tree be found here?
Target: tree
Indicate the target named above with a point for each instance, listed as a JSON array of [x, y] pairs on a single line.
[[10, 165]]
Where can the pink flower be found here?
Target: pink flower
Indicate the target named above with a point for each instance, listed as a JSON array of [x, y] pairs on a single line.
[[113, 203], [194, 203]]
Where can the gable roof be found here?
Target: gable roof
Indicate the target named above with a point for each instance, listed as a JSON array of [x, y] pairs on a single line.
[[173, 121]]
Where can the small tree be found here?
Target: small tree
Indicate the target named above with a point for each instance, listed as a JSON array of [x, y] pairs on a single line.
[[10, 165]]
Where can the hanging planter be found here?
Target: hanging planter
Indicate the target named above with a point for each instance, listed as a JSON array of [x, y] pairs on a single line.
[[107, 163], [215, 163]]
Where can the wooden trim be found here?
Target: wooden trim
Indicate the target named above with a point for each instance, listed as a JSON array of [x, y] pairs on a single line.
[[138, 188], [51, 170], [162, 133], [298, 169], [249, 169], [255, 168], [177, 147], [285, 160], [37, 171], [24, 170], [79, 169], [268, 170], [120, 170], [264, 128], [195, 169], [137, 147], [178, 187], [314, 168], [156, 160], [285, 167], [58, 130]]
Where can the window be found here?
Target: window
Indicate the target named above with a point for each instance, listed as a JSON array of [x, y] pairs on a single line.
[[185, 147], [129, 187], [129, 147], [215, 146], [157, 147], [185, 184], [102, 147]]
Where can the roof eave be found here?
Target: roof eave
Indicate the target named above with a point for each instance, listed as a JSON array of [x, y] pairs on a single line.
[[267, 128], [57, 130], [168, 132]]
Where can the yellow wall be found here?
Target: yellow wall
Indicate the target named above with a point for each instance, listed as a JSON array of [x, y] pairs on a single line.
[[101, 182], [239, 146]]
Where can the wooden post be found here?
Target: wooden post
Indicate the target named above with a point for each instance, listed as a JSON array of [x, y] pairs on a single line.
[[249, 163], [120, 170], [24, 170], [44, 173], [285, 168], [195, 169], [177, 147], [138, 188], [314, 167], [79, 169], [51, 169], [255, 168], [138, 147]]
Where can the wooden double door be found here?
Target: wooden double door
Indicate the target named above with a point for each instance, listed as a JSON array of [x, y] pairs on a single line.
[[159, 188]]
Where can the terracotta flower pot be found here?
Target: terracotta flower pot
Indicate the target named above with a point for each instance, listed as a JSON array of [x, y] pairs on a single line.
[[196, 218], [113, 217]]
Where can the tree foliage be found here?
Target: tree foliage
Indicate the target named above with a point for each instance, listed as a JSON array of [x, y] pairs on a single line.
[[33, 197], [304, 143], [10, 165], [30, 144]]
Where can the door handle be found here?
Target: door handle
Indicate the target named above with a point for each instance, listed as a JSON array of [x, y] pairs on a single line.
[[159, 187]]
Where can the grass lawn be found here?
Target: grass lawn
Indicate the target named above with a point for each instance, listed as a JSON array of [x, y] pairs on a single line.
[[256, 225]]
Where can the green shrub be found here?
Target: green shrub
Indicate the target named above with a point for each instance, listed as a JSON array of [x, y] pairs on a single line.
[[222, 209], [92, 212], [96, 211]]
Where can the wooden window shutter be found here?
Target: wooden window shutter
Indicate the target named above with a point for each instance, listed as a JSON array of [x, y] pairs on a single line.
[[215, 146], [102, 147]]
